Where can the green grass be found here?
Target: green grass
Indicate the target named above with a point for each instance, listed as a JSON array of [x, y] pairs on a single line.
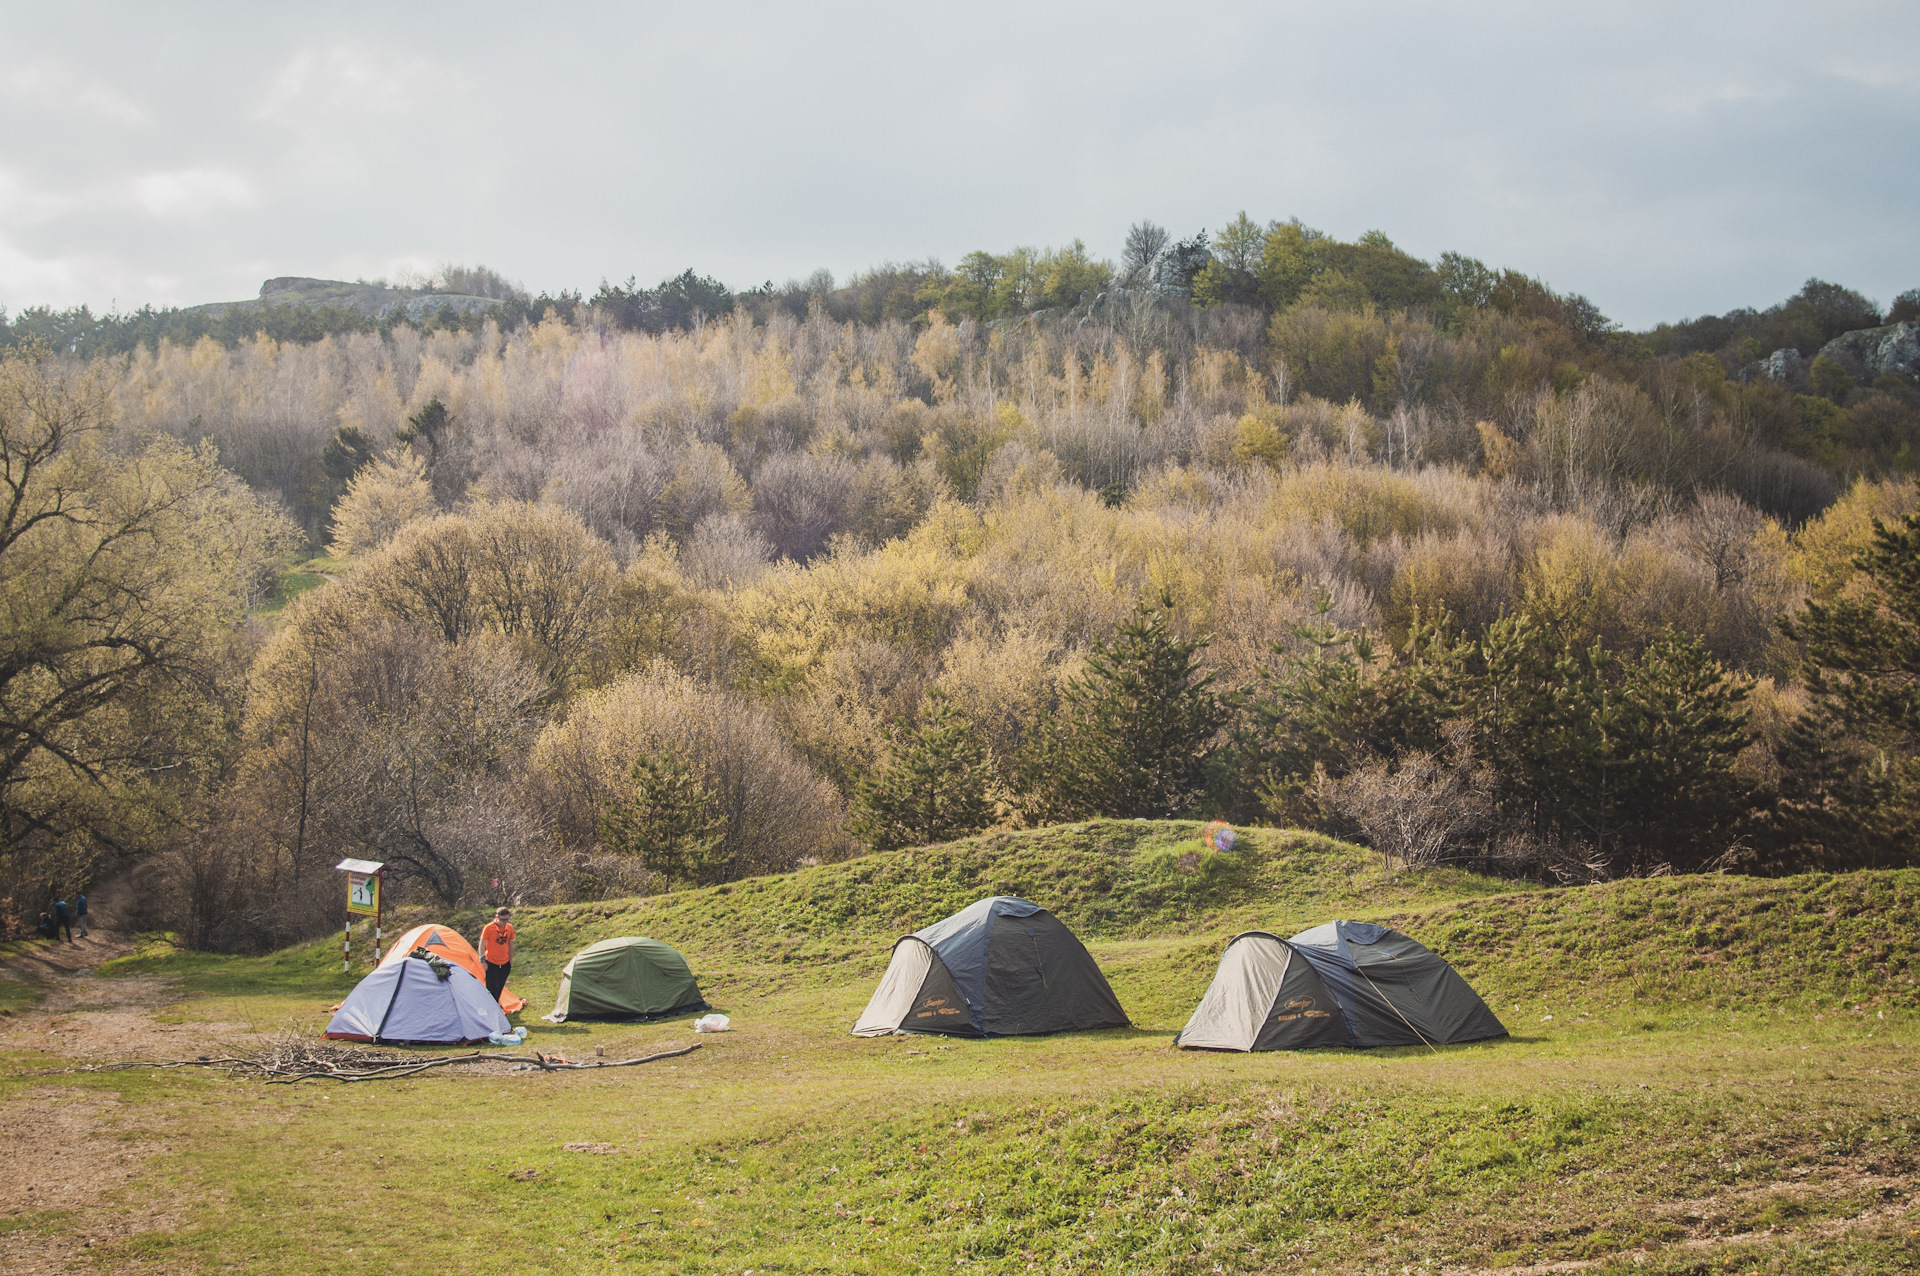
[[299, 578], [1705, 1096]]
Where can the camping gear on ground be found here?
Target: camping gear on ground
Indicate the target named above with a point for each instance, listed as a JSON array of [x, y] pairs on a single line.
[[1265, 996], [1219, 836], [626, 978], [513, 1038], [444, 941], [418, 1001], [1393, 991], [1001, 967], [713, 1023]]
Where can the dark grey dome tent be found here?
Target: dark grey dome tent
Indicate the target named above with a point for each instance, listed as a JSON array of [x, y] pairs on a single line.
[[1264, 996], [1001, 967], [630, 978], [1392, 990]]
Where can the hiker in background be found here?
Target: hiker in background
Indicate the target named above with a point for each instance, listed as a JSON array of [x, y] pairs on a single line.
[[80, 911], [62, 919], [46, 927], [496, 950]]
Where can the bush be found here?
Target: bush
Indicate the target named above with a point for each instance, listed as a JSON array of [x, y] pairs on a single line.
[[777, 811]]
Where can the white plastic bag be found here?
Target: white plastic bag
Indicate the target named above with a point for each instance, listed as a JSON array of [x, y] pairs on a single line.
[[712, 1023], [512, 1038]]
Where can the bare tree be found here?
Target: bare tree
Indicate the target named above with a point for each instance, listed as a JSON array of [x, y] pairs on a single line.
[[1145, 243], [1419, 810], [123, 569]]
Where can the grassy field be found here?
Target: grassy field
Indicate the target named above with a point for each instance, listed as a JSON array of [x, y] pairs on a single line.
[[1704, 1075]]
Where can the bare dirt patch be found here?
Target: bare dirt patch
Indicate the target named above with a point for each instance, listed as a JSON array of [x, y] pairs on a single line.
[[82, 1016], [67, 1162], [68, 1154]]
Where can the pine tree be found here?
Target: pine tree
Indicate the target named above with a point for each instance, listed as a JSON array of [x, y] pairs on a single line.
[[1851, 783], [1137, 727], [1343, 702], [671, 820], [1631, 756], [934, 786]]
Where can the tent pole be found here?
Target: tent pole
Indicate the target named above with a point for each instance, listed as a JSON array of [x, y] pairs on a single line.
[[346, 947], [1396, 1010]]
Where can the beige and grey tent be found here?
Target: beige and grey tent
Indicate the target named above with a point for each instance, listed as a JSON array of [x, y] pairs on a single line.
[[1264, 996], [1394, 990], [999, 967], [1341, 984]]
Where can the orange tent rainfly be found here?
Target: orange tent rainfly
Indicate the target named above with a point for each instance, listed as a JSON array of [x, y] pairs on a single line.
[[442, 941]]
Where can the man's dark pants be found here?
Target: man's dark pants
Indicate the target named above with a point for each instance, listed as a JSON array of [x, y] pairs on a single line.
[[497, 978]]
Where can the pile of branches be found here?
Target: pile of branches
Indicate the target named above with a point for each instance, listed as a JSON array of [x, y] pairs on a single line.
[[291, 1059]]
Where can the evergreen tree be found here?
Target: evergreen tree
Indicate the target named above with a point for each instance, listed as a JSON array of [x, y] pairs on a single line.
[[1627, 758], [1343, 702], [1137, 728], [1631, 756], [429, 425], [1678, 722], [934, 787], [1851, 784], [671, 819]]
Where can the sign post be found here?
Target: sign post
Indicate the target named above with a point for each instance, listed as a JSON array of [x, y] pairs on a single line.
[[363, 900]]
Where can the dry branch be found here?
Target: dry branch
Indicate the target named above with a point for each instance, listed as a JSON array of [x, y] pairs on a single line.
[[293, 1059]]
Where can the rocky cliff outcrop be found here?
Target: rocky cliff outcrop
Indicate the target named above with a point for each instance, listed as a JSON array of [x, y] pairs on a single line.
[[377, 301], [1871, 352], [1782, 365]]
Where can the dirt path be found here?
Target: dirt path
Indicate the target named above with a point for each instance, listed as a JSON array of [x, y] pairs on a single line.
[[71, 1148]]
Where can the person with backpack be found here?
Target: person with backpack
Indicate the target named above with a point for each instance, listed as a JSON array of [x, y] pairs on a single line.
[[80, 905], [62, 919]]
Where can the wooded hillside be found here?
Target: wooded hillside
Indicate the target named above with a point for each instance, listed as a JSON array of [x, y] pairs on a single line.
[[679, 584]]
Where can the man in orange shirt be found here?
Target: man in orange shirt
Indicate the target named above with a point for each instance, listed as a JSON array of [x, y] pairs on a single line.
[[496, 950]]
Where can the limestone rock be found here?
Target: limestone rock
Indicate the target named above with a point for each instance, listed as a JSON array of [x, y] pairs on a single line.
[[1871, 352], [377, 301], [1781, 365]]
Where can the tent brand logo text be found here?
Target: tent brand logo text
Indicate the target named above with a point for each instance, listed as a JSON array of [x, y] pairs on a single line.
[[936, 1006], [1301, 1008]]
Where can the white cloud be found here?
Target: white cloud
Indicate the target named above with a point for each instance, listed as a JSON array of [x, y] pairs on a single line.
[[27, 280], [190, 192], [317, 85], [23, 202], [50, 84]]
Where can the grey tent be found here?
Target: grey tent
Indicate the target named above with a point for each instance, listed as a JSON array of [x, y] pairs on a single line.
[[1264, 996], [1001, 967], [630, 977], [1393, 991]]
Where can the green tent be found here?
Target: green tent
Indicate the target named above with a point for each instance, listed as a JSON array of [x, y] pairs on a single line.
[[625, 978]]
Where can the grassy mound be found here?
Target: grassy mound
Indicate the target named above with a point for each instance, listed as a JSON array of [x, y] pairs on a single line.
[[1107, 879], [1717, 943], [1156, 912]]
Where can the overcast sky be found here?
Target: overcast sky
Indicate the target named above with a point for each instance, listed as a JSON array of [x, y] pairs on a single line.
[[1665, 160]]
